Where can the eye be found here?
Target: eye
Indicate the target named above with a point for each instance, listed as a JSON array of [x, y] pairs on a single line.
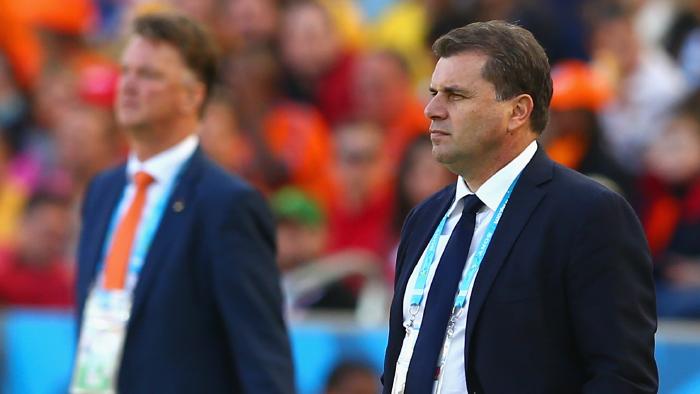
[[148, 73], [433, 93], [456, 97]]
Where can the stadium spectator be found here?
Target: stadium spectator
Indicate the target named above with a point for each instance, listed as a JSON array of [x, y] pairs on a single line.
[[419, 176], [670, 211], [220, 134], [284, 142], [352, 377], [13, 105], [55, 92], [361, 207], [645, 82], [413, 20], [35, 272], [309, 279], [682, 41], [87, 142], [13, 191], [319, 70], [384, 96], [247, 24], [573, 137]]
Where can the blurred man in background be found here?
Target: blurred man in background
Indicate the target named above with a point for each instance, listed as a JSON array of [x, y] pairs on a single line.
[[177, 286]]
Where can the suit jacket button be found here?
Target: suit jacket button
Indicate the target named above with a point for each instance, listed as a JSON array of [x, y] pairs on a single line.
[[178, 206]]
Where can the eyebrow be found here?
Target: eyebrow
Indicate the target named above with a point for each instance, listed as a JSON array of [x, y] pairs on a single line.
[[452, 89]]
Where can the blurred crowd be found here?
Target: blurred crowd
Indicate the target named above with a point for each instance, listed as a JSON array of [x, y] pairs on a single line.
[[320, 106]]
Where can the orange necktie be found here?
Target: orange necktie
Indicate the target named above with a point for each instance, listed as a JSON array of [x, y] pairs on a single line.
[[120, 251]]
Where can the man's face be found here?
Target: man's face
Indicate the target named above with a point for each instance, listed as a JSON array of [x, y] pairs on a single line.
[[45, 234], [83, 141], [252, 20], [468, 124], [153, 85], [674, 156], [308, 41], [381, 89]]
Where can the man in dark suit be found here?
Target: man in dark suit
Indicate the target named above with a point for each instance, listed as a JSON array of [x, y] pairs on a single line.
[[177, 285], [524, 276]]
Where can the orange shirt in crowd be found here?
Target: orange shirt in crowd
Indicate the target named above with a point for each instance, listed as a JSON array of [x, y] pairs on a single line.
[[298, 137], [20, 19], [403, 130]]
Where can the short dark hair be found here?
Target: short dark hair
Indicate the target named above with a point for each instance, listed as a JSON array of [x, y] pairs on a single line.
[[517, 63], [346, 369], [46, 197], [396, 58], [191, 39]]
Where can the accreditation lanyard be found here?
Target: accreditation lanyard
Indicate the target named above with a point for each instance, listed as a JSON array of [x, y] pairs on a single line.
[[418, 293]]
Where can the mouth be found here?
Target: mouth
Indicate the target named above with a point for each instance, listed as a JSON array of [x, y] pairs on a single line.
[[128, 104], [437, 133]]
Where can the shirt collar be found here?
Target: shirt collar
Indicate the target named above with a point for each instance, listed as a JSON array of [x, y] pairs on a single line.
[[164, 166], [492, 191]]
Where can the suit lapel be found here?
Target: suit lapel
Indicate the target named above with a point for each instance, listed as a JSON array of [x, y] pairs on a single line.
[[170, 227], [423, 230], [525, 198], [99, 225]]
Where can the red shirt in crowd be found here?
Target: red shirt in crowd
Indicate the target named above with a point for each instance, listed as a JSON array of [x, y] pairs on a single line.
[[26, 285]]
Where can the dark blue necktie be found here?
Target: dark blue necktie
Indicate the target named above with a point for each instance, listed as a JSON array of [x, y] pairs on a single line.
[[438, 307]]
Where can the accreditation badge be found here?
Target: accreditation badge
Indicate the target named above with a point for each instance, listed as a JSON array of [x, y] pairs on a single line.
[[404, 360], [400, 373], [101, 342]]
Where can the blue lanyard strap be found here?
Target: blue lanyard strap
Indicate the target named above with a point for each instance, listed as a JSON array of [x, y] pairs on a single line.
[[422, 280], [418, 293]]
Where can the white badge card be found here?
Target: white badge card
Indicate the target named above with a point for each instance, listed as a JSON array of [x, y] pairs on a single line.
[[399, 386], [101, 342], [404, 360]]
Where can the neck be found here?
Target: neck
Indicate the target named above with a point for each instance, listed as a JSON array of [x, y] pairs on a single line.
[[475, 176], [149, 141]]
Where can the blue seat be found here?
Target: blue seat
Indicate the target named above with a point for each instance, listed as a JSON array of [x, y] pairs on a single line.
[[315, 351], [39, 347]]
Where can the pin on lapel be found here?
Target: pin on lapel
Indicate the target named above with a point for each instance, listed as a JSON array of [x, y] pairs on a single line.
[[178, 206]]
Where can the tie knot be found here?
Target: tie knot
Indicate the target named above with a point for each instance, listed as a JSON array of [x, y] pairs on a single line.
[[471, 204], [142, 179]]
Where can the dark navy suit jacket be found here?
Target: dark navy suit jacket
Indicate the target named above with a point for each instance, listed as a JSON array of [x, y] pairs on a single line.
[[564, 299], [207, 308]]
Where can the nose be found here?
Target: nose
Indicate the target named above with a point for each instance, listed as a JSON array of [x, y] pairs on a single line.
[[435, 109], [126, 83]]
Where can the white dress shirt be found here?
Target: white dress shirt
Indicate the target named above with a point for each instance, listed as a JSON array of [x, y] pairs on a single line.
[[164, 168], [490, 193]]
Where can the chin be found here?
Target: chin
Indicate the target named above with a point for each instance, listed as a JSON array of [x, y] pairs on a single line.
[[129, 121], [440, 155]]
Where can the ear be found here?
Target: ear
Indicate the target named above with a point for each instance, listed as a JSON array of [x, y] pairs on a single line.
[[521, 110], [193, 97]]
